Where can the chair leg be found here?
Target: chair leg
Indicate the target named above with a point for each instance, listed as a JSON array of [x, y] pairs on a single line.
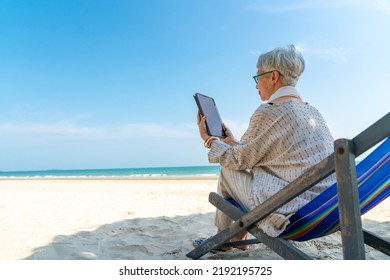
[[349, 209]]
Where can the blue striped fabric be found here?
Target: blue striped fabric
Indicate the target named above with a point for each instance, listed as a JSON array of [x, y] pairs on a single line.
[[320, 216]]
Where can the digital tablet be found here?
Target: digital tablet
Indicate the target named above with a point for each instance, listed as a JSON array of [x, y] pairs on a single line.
[[208, 107]]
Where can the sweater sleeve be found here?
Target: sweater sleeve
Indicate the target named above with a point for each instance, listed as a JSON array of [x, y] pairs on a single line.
[[254, 144]]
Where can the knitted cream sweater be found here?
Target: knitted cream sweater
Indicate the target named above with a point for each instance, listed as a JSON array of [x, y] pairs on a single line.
[[281, 143]]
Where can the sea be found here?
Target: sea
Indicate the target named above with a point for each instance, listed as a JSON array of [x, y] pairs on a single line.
[[149, 172]]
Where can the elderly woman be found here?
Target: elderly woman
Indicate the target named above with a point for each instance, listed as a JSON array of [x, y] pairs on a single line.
[[285, 137]]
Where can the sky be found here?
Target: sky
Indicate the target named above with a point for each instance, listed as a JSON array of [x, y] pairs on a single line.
[[89, 84]]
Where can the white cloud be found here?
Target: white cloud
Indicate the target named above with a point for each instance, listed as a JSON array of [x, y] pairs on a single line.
[[326, 51], [57, 128], [382, 6], [71, 129], [315, 47], [154, 130]]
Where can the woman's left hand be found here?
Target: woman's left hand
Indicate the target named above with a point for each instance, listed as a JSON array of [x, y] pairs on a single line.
[[229, 139]]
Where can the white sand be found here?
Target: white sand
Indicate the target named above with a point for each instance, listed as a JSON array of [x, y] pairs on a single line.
[[130, 219]]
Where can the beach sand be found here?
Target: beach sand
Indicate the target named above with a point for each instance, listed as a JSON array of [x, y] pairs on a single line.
[[128, 219]]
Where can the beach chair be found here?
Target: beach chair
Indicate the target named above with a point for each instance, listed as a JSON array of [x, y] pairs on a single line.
[[358, 189]]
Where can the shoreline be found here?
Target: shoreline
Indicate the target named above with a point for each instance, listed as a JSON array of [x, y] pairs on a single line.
[[133, 178]]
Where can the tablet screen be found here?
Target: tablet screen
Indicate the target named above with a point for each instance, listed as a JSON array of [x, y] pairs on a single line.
[[208, 107]]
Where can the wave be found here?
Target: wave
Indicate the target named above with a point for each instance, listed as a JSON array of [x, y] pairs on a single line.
[[151, 172]]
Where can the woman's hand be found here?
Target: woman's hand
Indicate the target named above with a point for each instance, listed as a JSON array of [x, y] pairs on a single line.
[[229, 139], [202, 126]]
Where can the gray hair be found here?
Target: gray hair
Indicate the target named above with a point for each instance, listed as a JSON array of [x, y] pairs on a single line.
[[287, 61]]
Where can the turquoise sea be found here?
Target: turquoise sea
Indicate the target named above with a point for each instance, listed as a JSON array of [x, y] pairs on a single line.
[[150, 172]]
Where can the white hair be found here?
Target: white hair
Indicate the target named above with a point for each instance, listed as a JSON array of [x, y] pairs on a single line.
[[287, 61]]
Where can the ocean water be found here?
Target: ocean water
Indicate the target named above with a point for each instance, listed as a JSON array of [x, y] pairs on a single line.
[[150, 172]]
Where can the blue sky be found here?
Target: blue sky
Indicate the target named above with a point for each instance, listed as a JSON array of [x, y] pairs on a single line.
[[109, 83]]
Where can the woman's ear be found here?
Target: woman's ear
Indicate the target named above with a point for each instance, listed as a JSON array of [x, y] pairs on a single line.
[[275, 76]]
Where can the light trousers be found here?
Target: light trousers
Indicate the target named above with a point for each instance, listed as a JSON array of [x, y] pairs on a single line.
[[237, 185]]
